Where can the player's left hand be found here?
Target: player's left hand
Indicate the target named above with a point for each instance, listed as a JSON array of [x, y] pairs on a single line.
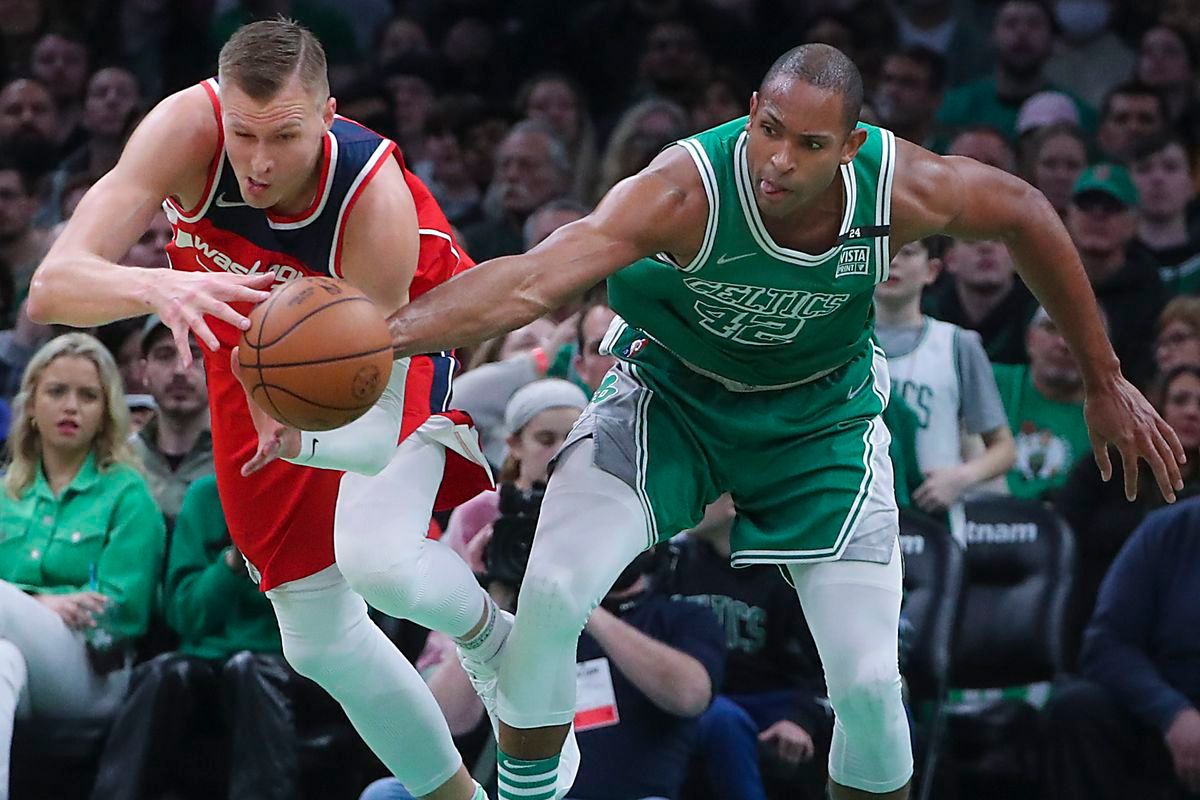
[[275, 440], [942, 487], [1118, 414], [789, 741]]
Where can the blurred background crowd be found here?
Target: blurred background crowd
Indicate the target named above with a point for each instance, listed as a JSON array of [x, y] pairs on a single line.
[[1051, 641]]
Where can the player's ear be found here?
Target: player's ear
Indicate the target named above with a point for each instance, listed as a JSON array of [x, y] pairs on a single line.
[[753, 106], [853, 142], [935, 269], [328, 111]]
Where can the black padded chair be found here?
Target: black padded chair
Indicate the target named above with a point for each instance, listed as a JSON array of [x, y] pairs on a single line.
[[1019, 563], [933, 586]]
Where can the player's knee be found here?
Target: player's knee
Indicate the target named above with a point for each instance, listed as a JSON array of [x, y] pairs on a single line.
[[868, 697], [551, 601], [319, 664], [390, 582]]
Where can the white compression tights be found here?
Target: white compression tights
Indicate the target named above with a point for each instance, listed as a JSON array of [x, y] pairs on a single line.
[[592, 525], [853, 611], [383, 556]]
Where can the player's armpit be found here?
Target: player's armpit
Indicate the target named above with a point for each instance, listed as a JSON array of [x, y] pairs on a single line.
[[642, 215], [381, 244]]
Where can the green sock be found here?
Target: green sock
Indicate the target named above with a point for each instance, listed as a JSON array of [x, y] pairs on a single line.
[[526, 779]]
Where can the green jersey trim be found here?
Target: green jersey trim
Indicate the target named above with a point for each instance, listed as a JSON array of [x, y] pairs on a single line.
[[759, 230], [708, 177], [883, 203]]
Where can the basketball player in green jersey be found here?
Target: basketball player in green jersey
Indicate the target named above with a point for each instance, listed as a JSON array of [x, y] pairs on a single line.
[[741, 263]]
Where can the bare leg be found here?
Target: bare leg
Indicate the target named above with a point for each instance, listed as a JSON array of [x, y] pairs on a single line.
[[533, 743]]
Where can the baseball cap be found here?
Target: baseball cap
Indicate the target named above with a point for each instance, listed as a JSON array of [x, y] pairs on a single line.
[[1110, 179], [534, 398], [153, 328], [1046, 108]]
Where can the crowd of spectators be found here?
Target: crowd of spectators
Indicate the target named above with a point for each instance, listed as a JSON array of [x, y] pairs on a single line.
[[123, 599]]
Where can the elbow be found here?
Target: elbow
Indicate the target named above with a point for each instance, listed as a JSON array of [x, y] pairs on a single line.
[[1007, 453], [692, 696], [38, 302]]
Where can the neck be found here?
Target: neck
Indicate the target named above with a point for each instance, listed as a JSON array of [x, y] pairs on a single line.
[[1162, 232], [906, 314], [304, 197], [977, 303], [1100, 266], [1011, 85], [1056, 392], [177, 434], [61, 466]]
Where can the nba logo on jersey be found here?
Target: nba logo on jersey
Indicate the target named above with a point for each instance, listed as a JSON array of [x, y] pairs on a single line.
[[634, 348], [854, 261]]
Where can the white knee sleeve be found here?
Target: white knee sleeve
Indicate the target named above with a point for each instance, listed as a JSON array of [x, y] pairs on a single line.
[[853, 610], [379, 538], [328, 637], [591, 526]]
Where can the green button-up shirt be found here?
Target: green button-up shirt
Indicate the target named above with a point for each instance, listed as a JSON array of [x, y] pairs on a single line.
[[104, 526]]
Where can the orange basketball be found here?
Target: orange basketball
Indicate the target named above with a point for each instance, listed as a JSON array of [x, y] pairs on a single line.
[[317, 354]]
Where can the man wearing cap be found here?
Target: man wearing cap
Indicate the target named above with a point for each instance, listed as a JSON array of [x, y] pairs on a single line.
[[1102, 220], [1044, 109], [176, 445]]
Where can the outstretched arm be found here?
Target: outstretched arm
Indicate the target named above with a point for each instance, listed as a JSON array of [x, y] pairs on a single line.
[[661, 208], [80, 283], [969, 200]]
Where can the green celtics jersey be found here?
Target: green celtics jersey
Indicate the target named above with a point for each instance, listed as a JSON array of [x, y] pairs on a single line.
[[747, 311]]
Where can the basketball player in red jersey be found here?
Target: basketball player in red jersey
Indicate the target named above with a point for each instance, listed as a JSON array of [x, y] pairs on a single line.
[[263, 181]]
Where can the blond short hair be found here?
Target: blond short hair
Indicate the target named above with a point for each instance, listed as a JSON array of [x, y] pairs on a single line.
[[260, 59]]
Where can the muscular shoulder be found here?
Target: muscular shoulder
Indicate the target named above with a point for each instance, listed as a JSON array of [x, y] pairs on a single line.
[[923, 191], [177, 139], [381, 243], [665, 204]]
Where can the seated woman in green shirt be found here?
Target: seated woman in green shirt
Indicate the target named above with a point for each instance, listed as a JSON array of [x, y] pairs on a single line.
[[81, 542]]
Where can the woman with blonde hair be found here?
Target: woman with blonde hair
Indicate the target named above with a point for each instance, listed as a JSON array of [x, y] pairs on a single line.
[[81, 542], [640, 133]]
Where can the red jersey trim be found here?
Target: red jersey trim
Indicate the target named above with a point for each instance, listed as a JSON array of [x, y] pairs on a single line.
[[368, 171], [216, 166], [329, 158]]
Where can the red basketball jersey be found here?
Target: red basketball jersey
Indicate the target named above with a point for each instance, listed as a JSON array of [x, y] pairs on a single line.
[[281, 518]]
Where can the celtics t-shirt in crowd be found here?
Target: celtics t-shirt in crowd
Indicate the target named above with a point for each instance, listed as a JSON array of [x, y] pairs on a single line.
[[1050, 436]]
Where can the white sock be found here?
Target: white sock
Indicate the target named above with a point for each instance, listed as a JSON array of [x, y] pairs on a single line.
[[485, 644]]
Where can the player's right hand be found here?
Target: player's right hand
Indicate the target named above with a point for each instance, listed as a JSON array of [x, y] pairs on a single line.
[[275, 440], [183, 299]]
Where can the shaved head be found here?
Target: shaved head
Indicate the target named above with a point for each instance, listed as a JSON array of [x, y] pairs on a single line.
[[824, 67]]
